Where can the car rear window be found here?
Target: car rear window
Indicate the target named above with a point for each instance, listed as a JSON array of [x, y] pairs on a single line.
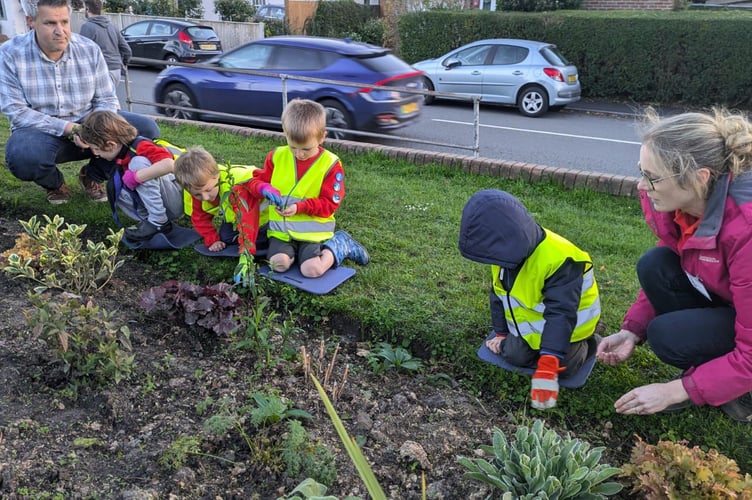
[[384, 63], [201, 33], [553, 56]]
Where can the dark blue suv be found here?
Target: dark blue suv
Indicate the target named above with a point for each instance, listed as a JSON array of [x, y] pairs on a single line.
[[258, 98]]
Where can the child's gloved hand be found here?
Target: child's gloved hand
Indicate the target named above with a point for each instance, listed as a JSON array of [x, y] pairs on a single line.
[[545, 385], [130, 180], [241, 270], [271, 193]]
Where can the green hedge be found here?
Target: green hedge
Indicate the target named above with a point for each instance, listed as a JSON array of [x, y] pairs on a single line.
[[689, 57]]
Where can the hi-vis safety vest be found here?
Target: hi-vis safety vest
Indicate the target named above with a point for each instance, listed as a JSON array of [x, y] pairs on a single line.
[[228, 178], [523, 304], [300, 227]]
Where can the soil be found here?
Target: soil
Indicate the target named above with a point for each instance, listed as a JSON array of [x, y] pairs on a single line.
[[111, 441]]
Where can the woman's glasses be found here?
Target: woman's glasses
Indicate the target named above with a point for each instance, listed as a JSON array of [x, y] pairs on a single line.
[[653, 182]]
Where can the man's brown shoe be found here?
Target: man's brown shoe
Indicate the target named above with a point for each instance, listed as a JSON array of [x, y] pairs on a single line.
[[59, 196], [93, 189]]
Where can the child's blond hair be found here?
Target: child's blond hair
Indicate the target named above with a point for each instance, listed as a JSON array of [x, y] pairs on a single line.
[[101, 127], [195, 167], [303, 120]]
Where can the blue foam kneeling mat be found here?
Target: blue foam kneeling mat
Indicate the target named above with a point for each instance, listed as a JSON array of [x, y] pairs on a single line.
[[318, 286], [230, 251], [179, 237], [574, 381]]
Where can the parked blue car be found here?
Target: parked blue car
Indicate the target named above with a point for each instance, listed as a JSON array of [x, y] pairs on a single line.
[[259, 97]]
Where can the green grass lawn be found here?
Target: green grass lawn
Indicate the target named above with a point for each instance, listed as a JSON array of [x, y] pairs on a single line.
[[420, 293]]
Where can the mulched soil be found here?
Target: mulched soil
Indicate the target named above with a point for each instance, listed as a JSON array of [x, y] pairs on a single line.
[[110, 442]]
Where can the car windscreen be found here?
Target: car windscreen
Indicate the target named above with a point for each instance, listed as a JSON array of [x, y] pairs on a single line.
[[201, 33], [385, 64], [553, 56]]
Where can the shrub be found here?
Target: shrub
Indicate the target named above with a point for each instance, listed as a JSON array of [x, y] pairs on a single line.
[[234, 10], [541, 464], [87, 340], [213, 307], [538, 5], [55, 257], [672, 470]]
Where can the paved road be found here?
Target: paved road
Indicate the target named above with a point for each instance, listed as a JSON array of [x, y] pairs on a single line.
[[589, 135]]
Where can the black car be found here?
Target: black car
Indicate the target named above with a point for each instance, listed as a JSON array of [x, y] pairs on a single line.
[[267, 13], [172, 41]]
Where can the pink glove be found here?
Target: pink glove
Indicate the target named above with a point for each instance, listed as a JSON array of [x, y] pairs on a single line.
[[271, 193], [130, 180]]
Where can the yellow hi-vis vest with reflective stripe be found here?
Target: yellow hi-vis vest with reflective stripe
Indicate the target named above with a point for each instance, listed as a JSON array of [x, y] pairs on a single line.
[[523, 304], [300, 227], [228, 178]]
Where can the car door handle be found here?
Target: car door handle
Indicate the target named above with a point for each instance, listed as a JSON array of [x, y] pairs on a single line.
[[475, 73], [517, 73]]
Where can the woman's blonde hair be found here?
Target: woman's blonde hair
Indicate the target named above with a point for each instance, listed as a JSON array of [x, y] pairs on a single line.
[[720, 141], [101, 127], [195, 167]]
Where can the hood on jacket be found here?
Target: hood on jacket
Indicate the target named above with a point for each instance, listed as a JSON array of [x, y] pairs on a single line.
[[100, 20], [496, 228]]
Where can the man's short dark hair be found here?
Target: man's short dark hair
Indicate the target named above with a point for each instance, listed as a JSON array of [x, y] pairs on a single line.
[[93, 6], [31, 8]]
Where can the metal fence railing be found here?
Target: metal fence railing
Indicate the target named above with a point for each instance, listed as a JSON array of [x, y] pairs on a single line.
[[474, 147]]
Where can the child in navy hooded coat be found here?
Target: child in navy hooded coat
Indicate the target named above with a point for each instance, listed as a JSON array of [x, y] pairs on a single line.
[[544, 299]]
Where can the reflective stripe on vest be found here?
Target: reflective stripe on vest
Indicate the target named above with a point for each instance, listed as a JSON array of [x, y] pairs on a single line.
[[300, 227], [523, 304], [228, 178]]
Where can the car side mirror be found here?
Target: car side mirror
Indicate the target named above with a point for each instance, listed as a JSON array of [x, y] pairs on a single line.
[[452, 62]]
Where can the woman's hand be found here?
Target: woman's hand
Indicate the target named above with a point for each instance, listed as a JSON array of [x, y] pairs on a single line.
[[217, 246], [651, 398], [616, 348]]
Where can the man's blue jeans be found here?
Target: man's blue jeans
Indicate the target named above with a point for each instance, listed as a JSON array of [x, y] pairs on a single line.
[[689, 329], [32, 155]]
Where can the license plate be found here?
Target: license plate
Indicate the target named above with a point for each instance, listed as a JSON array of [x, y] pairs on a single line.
[[572, 78], [207, 46], [409, 108]]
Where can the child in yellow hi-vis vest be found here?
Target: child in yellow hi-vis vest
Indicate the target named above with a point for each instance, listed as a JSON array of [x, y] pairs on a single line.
[[544, 299], [306, 185], [212, 189]]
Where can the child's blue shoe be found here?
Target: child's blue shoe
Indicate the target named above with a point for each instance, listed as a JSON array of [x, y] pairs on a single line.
[[343, 246]]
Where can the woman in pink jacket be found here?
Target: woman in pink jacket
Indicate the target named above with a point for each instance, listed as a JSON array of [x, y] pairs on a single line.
[[695, 305]]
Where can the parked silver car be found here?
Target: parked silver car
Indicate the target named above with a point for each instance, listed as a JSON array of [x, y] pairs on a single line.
[[534, 76]]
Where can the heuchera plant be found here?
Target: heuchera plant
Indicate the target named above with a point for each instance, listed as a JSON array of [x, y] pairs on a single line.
[[673, 470], [213, 307]]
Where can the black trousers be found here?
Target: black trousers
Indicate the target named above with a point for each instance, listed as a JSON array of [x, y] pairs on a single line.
[[689, 329]]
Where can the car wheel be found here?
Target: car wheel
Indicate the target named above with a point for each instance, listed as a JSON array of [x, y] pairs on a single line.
[[428, 99], [170, 59], [533, 101], [337, 116], [178, 95]]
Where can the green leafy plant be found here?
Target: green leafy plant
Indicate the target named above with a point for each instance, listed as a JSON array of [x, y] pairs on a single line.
[[89, 342], [270, 409], [303, 456], [55, 257], [540, 464], [386, 357], [673, 470], [310, 489], [213, 307]]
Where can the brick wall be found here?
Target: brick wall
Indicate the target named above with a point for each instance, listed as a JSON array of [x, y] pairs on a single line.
[[627, 4]]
